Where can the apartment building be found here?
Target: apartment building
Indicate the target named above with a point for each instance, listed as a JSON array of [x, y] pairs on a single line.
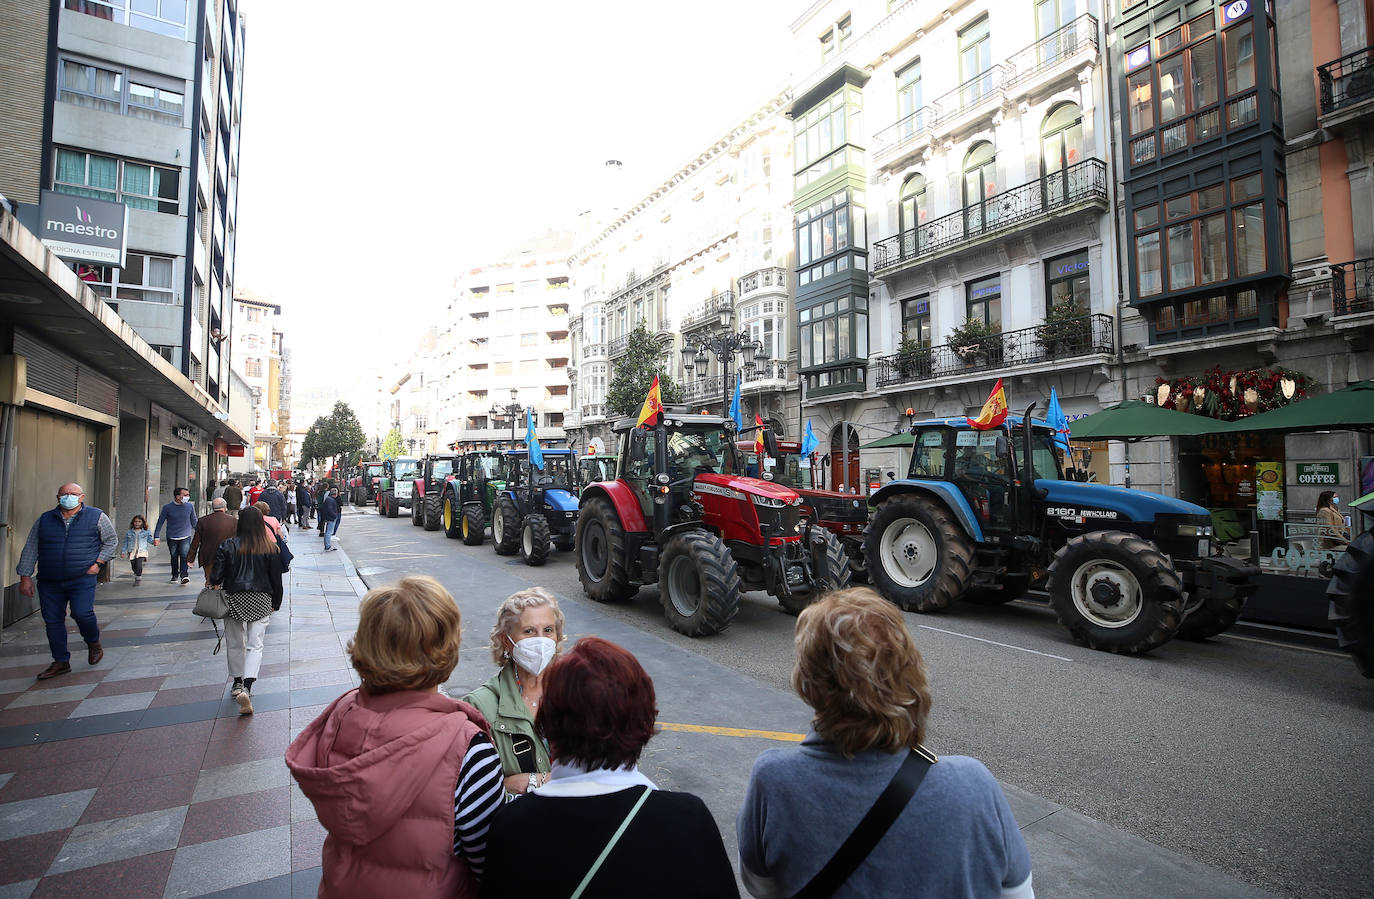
[[263, 360], [706, 252]]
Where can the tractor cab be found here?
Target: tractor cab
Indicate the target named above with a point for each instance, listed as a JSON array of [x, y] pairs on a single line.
[[595, 467], [537, 507], [663, 473]]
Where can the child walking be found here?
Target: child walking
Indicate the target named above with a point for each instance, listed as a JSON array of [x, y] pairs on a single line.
[[137, 541]]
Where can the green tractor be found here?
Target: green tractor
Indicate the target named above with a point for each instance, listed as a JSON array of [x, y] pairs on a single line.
[[469, 498], [984, 515], [397, 485]]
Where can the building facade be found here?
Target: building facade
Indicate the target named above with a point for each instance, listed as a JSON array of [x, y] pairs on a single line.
[[262, 359]]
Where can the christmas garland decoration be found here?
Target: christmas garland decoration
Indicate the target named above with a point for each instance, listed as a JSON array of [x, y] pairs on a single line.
[[1233, 394]]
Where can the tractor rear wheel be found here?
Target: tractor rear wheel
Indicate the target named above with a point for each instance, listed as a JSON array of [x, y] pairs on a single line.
[[534, 539], [474, 524], [505, 527], [1116, 592], [381, 504], [453, 518], [602, 557], [699, 584], [433, 513], [917, 555], [416, 508], [391, 509], [1352, 601]]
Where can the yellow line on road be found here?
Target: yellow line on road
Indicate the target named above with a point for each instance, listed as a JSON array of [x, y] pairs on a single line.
[[734, 732]]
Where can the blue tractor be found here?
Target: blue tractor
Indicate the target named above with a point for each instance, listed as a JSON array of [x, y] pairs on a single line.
[[537, 508], [980, 518]]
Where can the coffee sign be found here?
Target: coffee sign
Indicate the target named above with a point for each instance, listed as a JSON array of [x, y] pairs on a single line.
[[83, 229], [1319, 474]]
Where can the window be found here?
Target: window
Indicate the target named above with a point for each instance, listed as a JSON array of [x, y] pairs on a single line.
[[159, 16], [118, 91], [985, 301], [975, 60], [834, 331], [827, 44], [1051, 15], [980, 182], [909, 98], [1148, 265], [1240, 58], [421, 421], [529, 340], [252, 368], [1250, 246], [1062, 146], [822, 134], [1066, 281], [844, 30], [912, 211], [105, 178], [916, 320], [504, 369], [827, 233], [1139, 89]]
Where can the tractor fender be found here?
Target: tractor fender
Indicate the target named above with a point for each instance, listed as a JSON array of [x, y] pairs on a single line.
[[625, 502], [943, 492], [560, 500]]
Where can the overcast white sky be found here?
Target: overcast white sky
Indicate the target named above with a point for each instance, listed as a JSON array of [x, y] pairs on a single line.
[[388, 146]]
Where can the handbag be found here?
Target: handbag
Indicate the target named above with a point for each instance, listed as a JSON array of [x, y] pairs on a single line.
[[885, 811], [210, 604]]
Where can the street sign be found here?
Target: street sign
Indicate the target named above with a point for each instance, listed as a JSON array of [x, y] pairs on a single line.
[[1319, 474]]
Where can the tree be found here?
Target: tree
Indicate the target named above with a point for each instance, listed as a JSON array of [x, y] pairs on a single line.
[[392, 446], [335, 435], [310, 446], [635, 371]]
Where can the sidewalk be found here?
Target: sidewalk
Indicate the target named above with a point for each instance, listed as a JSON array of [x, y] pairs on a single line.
[[138, 777]]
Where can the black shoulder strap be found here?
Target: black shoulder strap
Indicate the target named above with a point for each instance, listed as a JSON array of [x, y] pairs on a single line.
[[870, 830]]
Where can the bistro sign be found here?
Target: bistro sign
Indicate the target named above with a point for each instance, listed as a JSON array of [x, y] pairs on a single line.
[[1319, 474], [84, 229]]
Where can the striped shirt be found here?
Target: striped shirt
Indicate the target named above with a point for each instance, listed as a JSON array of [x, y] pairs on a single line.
[[109, 544], [477, 797]]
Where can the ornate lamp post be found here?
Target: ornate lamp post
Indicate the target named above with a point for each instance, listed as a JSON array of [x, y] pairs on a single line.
[[724, 345], [510, 410]]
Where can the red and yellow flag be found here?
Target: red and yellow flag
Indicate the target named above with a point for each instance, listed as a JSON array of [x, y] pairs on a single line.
[[758, 435], [994, 411], [653, 405]]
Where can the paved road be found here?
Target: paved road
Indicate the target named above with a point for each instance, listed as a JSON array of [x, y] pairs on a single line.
[[1250, 757]]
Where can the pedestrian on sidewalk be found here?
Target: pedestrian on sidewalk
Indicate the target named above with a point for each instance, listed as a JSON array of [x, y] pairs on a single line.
[[180, 517], [405, 780], [211, 531], [67, 545], [305, 505], [218, 492], [233, 498], [248, 567], [274, 527], [289, 491], [859, 669], [600, 822], [254, 491], [275, 500], [137, 541], [525, 639], [330, 513]]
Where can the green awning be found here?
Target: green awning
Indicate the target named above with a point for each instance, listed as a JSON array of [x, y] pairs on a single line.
[[1138, 420], [905, 438], [1349, 409]]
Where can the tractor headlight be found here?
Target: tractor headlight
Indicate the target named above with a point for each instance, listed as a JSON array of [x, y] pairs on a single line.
[[768, 501], [1194, 530]]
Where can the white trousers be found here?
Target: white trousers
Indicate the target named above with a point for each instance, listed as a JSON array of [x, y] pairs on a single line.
[[243, 645]]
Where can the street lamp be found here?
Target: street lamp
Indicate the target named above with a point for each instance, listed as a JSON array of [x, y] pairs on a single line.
[[510, 410], [724, 345]]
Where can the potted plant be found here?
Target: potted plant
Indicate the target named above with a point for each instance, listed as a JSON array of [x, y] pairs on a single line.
[[976, 342], [913, 359], [1067, 330]]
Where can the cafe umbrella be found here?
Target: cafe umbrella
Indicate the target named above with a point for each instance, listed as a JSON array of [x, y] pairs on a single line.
[[1138, 420], [1348, 409]]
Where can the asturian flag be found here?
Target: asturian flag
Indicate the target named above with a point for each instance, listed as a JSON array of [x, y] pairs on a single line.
[[809, 441], [1056, 419], [532, 441], [994, 411]]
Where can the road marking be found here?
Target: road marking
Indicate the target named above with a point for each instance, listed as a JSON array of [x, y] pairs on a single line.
[[733, 732], [995, 643], [1311, 649], [373, 552]]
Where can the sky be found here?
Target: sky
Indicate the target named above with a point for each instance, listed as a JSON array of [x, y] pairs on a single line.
[[384, 155]]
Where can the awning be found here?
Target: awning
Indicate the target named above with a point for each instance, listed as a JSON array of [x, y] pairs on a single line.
[[1139, 420], [905, 438], [1349, 409]]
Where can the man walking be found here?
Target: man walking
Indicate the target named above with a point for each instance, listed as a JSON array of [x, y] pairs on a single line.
[[276, 503], [329, 517], [180, 517], [67, 544], [305, 504], [211, 531], [233, 498]]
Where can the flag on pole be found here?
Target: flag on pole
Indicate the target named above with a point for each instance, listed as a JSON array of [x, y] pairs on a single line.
[[653, 405], [1058, 421], [994, 411], [758, 434], [809, 441], [532, 441], [735, 412]]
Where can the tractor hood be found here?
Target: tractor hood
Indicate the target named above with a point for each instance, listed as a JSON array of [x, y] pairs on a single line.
[[1128, 504], [560, 500], [722, 483]]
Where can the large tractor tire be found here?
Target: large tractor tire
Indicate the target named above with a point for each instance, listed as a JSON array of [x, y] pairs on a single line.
[[453, 518], [474, 524], [1351, 592], [417, 504], [433, 513], [603, 564], [505, 527], [699, 583], [392, 510], [829, 566], [917, 554], [534, 539], [381, 504], [1215, 605], [1116, 592]]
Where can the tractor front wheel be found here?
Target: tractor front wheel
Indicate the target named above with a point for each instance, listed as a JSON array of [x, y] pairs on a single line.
[[505, 527], [699, 584], [391, 510], [474, 524], [1352, 601], [1116, 592], [917, 555], [534, 539], [416, 507], [433, 515], [602, 558], [453, 518]]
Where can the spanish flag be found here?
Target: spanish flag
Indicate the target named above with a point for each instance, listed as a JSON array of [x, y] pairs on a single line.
[[653, 405], [994, 410], [758, 435]]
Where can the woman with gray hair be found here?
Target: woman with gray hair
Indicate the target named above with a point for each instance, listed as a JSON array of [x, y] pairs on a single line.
[[527, 636]]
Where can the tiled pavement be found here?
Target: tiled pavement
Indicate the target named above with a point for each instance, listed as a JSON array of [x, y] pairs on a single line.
[[138, 777]]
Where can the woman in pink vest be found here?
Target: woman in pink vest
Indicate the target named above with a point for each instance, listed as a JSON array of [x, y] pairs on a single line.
[[404, 779]]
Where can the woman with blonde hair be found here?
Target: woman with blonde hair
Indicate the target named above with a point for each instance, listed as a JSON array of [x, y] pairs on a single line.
[[815, 817], [527, 636]]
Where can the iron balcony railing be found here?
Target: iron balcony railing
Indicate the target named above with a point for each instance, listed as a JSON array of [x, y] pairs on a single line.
[[709, 311], [618, 346], [1352, 287], [907, 131], [981, 88], [1048, 342], [1063, 43], [1082, 182], [1347, 81], [710, 388]]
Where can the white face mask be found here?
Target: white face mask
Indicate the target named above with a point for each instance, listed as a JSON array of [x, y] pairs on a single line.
[[534, 654]]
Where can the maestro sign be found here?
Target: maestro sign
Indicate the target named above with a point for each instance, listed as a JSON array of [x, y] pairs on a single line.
[[83, 229]]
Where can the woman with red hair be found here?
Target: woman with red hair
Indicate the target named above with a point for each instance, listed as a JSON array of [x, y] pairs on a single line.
[[601, 827]]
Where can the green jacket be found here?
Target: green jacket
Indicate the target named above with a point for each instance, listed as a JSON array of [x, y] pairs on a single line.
[[512, 725]]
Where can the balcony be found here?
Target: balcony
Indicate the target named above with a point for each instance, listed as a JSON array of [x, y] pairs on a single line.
[[709, 312], [1352, 287], [980, 93], [1086, 336], [1084, 183], [1347, 87], [909, 133], [617, 347], [591, 352], [1063, 49], [763, 279], [592, 411], [771, 375]]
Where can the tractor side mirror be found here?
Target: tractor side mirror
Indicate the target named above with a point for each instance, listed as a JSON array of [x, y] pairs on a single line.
[[892, 475], [770, 443]]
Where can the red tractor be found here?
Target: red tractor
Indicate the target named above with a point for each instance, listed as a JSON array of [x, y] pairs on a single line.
[[682, 513]]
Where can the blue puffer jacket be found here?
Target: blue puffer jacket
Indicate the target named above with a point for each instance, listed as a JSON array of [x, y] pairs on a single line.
[[66, 551]]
